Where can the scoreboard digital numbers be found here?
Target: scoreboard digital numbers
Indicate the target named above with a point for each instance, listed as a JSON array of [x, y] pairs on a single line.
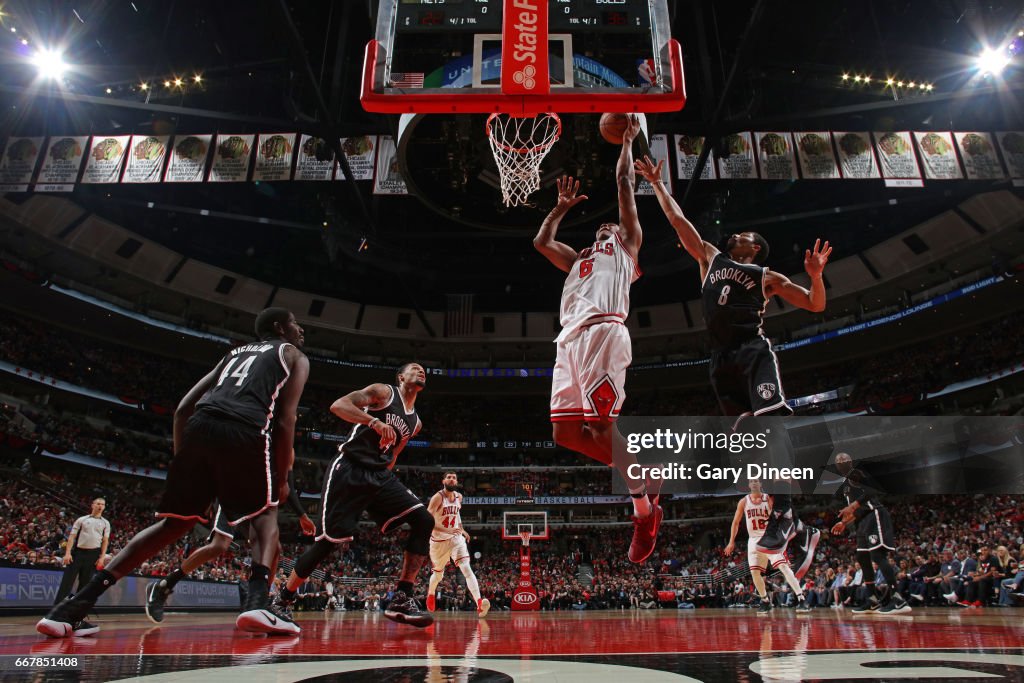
[[484, 16]]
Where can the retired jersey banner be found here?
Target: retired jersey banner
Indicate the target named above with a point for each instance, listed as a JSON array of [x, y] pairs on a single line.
[[775, 156], [817, 160], [308, 167], [1011, 143], [688, 148], [388, 179], [18, 163], [61, 164], [659, 148], [978, 153], [274, 156], [896, 155], [856, 155], [359, 154], [105, 160], [146, 159], [188, 159], [938, 156], [737, 159], [231, 157]]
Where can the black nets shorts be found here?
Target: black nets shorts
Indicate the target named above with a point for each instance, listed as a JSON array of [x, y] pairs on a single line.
[[220, 459], [746, 379], [349, 490], [874, 531]]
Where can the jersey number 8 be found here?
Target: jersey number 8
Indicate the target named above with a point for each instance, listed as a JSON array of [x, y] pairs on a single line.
[[723, 299]]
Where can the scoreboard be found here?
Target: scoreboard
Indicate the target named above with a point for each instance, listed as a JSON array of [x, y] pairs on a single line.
[[484, 16]]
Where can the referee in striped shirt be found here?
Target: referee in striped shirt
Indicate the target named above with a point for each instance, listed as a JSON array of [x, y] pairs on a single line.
[[87, 546]]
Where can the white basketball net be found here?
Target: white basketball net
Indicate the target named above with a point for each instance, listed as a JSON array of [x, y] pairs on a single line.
[[519, 146]]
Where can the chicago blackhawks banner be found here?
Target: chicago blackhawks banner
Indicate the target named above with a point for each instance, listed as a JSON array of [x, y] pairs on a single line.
[[146, 159], [896, 156], [188, 159], [659, 148], [274, 156], [688, 148], [309, 167], [938, 156], [856, 155], [814, 150], [61, 163], [105, 160], [775, 156], [18, 163], [231, 159], [737, 159], [979, 156]]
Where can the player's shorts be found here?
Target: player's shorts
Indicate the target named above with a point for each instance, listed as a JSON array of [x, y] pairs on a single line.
[[223, 527], [759, 562], [349, 490], [746, 379], [590, 374], [453, 549], [220, 459], [875, 531]]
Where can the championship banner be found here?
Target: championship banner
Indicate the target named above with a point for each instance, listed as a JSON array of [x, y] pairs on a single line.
[[856, 155], [274, 156], [737, 157], [388, 179], [775, 156], [359, 153], [231, 159], [106, 157], [938, 156], [688, 148], [979, 156], [308, 167], [659, 150], [18, 163], [1011, 143], [188, 159], [146, 159], [817, 159], [61, 162], [896, 157]]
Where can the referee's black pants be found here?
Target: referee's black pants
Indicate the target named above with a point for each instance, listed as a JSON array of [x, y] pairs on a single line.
[[82, 567]]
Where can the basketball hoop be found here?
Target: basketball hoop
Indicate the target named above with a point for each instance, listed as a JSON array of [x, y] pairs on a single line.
[[519, 146], [525, 535]]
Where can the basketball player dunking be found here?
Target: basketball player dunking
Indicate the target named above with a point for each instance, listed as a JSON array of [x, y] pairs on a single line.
[[448, 543], [735, 289], [593, 350], [361, 479], [756, 509]]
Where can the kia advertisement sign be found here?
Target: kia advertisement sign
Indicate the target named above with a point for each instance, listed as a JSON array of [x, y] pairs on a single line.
[[524, 58], [525, 599]]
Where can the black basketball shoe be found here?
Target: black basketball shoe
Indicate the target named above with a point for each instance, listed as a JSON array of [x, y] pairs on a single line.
[[405, 610], [781, 528], [156, 599], [67, 618], [259, 616], [765, 608]]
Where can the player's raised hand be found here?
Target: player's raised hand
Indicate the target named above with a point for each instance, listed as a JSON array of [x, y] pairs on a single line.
[[815, 260], [632, 129], [648, 169], [567, 189]]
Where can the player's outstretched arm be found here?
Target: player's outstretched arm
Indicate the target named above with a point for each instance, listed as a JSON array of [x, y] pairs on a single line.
[[696, 247], [625, 178], [812, 299], [559, 253]]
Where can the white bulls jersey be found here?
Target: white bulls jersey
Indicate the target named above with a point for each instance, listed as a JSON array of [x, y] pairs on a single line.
[[448, 517], [756, 515], [597, 287]]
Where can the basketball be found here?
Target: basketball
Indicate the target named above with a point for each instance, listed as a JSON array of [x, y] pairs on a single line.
[[613, 126]]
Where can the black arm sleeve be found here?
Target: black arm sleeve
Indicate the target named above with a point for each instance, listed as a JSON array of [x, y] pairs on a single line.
[[293, 496]]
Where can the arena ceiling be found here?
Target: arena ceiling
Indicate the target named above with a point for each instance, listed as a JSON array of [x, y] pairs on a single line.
[[296, 66]]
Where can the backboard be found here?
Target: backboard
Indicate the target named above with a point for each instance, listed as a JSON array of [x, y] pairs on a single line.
[[533, 524], [522, 57]]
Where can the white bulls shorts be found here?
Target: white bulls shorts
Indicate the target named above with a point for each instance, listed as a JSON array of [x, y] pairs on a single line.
[[453, 549], [590, 374]]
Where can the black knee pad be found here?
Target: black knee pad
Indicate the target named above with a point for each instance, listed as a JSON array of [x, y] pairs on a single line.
[[421, 524], [310, 559]]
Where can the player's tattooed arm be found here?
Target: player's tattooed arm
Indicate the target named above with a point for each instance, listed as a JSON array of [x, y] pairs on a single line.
[[559, 253]]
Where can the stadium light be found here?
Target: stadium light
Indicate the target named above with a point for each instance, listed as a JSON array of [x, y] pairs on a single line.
[[992, 61], [50, 64]]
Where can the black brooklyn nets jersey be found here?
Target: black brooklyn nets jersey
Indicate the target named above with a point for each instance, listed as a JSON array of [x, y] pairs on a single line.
[[861, 487], [363, 446], [733, 299], [249, 382]]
